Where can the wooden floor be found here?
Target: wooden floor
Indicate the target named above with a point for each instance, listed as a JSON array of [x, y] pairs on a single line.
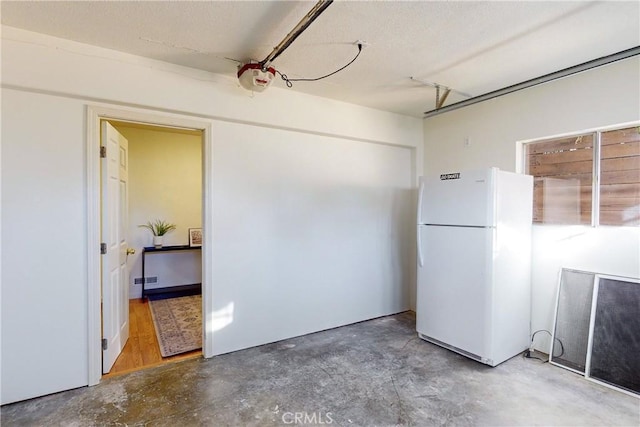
[[142, 349]]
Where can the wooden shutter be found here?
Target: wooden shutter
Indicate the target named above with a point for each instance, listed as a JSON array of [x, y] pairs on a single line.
[[620, 177], [563, 179]]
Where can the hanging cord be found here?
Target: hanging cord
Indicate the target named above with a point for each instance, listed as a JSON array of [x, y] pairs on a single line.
[[528, 354], [288, 81]]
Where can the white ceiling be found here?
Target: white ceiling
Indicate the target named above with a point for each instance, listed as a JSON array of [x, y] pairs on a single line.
[[474, 47]]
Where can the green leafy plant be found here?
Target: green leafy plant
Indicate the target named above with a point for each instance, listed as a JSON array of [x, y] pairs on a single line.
[[159, 227]]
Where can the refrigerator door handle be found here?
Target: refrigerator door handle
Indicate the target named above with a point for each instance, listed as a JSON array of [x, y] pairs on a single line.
[[419, 210], [419, 240], [419, 220]]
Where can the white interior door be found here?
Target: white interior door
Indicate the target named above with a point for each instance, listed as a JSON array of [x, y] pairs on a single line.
[[115, 295]]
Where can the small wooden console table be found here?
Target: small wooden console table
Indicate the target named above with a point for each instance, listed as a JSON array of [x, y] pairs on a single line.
[[186, 289]]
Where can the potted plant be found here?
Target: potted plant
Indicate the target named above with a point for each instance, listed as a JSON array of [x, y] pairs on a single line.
[[159, 228]]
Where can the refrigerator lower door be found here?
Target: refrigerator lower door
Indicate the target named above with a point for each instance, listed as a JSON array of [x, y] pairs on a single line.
[[453, 307]]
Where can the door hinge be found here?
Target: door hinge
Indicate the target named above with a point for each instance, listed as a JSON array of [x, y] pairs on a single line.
[[103, 151], [105, 345], [103, 248]]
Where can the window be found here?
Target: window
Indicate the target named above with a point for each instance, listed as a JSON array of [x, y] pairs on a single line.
[[591, 178], [563, 178], [620, 177]]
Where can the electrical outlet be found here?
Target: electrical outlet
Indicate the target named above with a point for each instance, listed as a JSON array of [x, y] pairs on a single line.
[[363, 43], [467, 141]]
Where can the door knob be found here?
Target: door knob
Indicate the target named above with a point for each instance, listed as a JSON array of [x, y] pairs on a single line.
[[131, 251]]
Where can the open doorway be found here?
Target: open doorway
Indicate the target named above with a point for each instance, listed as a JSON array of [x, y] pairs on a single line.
[[161, 277], [96, 115]]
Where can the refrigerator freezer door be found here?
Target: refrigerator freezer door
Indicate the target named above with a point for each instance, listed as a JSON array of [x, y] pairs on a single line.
[[465, 198], [453, 300]]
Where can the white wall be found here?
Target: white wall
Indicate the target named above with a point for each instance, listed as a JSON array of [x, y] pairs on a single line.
[[165, 182], [44, 296], [600, 97], [46, 85], [310, 233]]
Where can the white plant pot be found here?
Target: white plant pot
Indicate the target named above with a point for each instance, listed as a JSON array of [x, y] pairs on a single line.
[[157, 241]]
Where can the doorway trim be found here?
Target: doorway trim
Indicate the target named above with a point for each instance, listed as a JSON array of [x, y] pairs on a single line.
[[94, 114]]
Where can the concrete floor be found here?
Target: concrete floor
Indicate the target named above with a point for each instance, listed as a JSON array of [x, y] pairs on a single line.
[[374, 373]]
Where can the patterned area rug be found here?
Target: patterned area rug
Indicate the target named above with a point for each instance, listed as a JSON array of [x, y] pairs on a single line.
[[178, 324]]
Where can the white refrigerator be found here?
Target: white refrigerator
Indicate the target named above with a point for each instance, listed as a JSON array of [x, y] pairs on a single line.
[[474, 263]]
